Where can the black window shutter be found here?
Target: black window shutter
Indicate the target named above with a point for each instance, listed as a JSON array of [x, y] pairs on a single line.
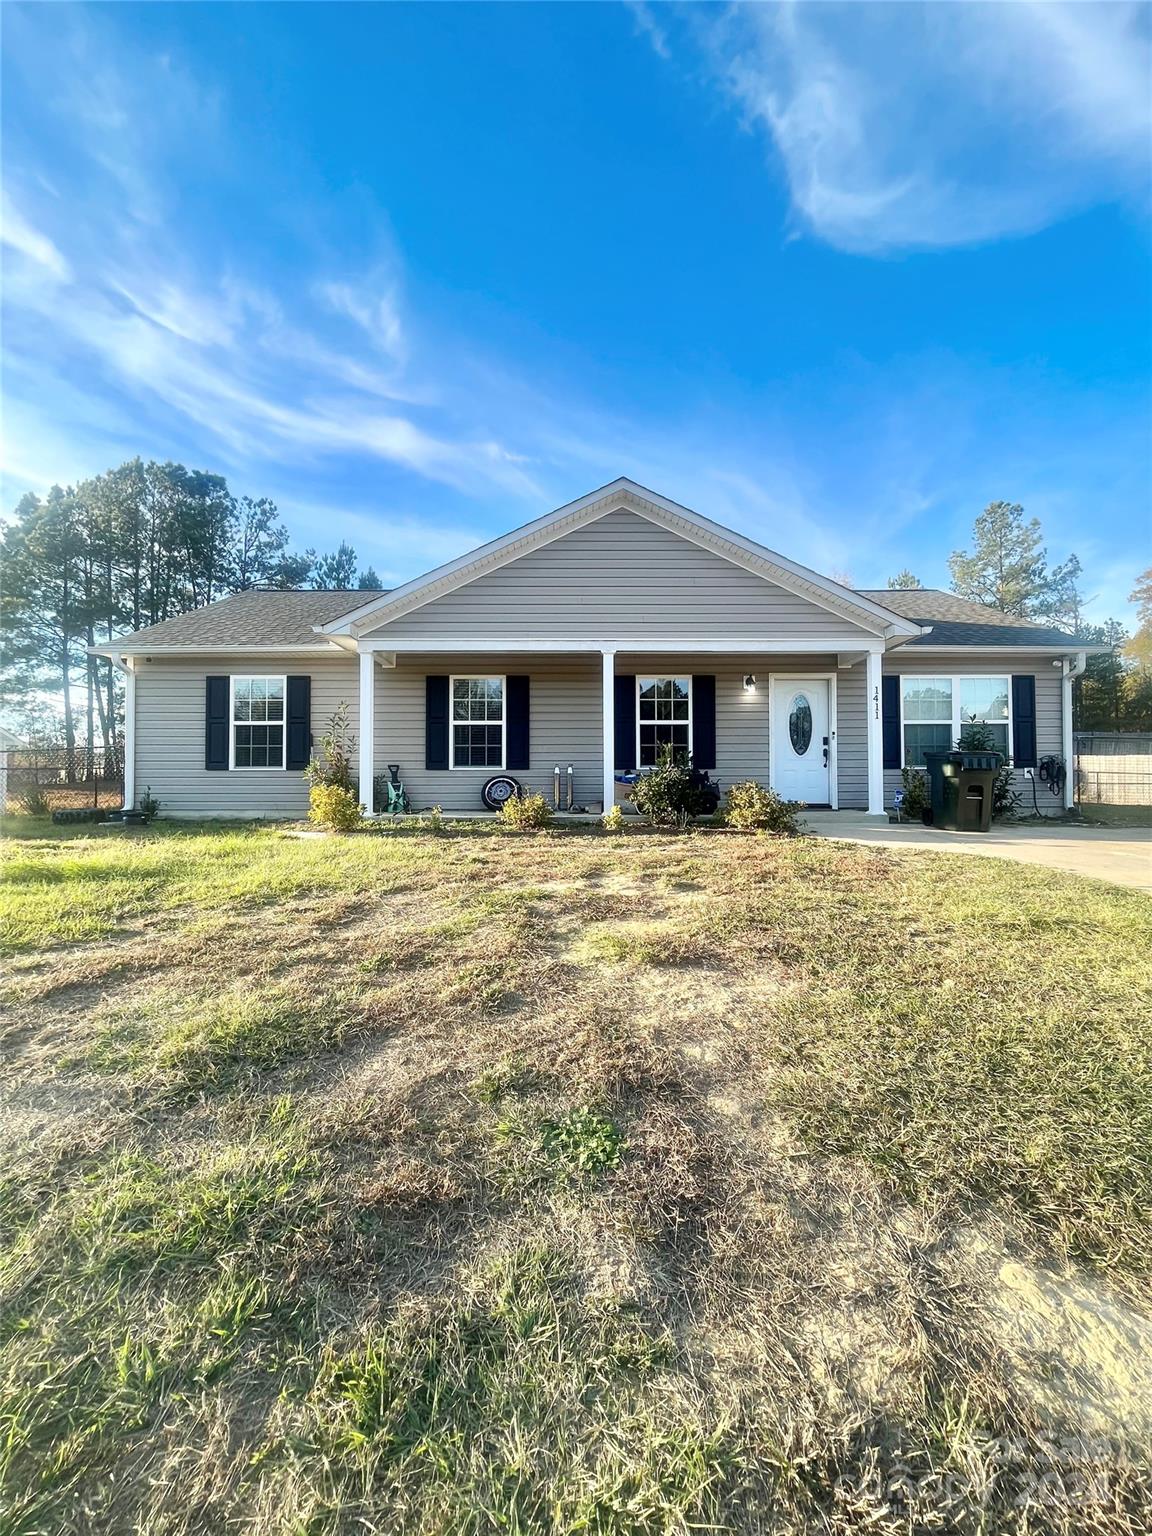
[[299, 719], [435, 722], [1024, 720], [517, 728], [704, 721], [890, 719], [625, 722], [216, 723]]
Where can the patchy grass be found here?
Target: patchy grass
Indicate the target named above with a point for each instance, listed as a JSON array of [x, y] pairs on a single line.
[[437, 1182]]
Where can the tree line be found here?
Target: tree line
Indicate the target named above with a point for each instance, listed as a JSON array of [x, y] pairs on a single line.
[[130, 548], [146, 542], [1008, 569]]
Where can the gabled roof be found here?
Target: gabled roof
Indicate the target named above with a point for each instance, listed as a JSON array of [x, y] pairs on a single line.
[[627, 495], [959, 621]]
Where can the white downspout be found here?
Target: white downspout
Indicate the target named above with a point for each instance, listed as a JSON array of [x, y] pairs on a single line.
[[1071, 667]]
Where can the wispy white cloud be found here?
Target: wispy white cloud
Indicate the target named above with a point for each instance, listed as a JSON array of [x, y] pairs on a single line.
[[376, 313], [32, 244], [905, 126]]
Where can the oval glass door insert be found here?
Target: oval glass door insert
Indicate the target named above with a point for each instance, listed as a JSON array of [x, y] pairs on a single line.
[[800, 725]]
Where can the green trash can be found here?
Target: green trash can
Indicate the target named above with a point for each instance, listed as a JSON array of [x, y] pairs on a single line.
[[960, 785]]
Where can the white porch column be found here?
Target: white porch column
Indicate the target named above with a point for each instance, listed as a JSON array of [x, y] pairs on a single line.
[[608, 704], [367, 730], [129, 734], [875, 737]]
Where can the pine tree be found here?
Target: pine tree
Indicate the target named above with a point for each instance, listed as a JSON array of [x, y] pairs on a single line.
[[904, 581]]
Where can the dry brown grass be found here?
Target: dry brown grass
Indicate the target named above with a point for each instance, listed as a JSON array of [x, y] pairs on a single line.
[[586, 1185]]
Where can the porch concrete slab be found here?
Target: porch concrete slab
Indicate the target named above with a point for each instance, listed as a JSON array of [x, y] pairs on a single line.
[[1122, 856]]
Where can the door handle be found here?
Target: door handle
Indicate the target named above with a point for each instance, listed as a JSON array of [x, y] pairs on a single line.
[[825, 751]]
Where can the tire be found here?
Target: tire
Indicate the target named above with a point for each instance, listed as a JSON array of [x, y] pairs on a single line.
[[498, 790]]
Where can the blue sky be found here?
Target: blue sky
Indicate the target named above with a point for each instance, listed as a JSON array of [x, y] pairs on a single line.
[[836, 277]]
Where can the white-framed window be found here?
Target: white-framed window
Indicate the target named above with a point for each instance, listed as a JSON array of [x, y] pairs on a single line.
[[663, 717], [478, 725], [935, 710], [258, 738]]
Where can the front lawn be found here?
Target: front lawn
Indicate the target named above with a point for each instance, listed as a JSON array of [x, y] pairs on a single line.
[[524, 1183]]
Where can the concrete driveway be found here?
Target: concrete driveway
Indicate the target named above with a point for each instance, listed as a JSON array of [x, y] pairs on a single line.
[[1104, 853]]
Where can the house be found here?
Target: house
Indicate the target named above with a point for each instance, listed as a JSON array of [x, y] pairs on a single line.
[[590, 638]]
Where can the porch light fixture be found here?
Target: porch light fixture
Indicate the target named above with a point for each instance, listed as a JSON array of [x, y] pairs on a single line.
[[749, 683]]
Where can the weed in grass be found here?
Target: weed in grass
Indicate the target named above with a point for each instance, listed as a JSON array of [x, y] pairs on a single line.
[[582, 1144], [514, 1075]]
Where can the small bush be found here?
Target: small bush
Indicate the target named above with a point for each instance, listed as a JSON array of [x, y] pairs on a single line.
[[916, 797], [613, 820], [32, 801], [752, 807], [526, 813], [671, 794], [434, 820], [335, 808], [149, 805], [331, 767]]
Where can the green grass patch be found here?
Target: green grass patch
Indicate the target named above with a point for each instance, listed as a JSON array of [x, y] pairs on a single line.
[[625, 1186]]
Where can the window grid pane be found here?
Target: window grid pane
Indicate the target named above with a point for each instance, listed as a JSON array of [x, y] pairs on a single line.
[[919, 739], [984, 699], [257, 722], [259, 746], [477, 722], [928, 699]]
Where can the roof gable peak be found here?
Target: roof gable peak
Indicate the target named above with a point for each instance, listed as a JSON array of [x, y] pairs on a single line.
[[623, 494]]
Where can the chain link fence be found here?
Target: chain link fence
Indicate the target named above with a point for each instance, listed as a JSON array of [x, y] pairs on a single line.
[[1113, 768], [36, 783]]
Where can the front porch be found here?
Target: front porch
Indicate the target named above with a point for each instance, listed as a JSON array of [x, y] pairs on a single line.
[[806, 721]]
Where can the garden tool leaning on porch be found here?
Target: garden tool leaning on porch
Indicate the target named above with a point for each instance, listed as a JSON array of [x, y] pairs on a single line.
[[397, 795]]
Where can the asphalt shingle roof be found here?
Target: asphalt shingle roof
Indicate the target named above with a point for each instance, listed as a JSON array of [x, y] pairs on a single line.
[[254, 618], [959, 621], [287, 618]]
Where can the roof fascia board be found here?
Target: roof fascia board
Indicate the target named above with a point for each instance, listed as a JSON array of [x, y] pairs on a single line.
[[1036, 648], [674, 645], [236, 648], [625, 495]]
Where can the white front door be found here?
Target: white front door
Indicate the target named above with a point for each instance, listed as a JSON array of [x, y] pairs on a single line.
[[801, 740]]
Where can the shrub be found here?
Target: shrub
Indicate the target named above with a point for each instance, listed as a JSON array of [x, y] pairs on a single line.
[[613, 820], [671, 794], [32, 800], [526, 812], [978, 737], [331, 766], [916, 797], [334, 807], [752, 807], [149, 805]]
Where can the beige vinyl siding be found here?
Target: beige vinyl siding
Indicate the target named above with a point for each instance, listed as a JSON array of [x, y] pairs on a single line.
[[1001, 664], [566, 720], [620, 578], [564, 725], [170, 734]]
